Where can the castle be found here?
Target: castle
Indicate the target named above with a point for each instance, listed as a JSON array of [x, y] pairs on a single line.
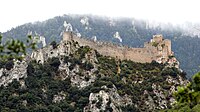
[[157, 49]]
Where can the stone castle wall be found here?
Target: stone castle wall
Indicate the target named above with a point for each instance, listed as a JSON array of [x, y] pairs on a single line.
[[147, 54]]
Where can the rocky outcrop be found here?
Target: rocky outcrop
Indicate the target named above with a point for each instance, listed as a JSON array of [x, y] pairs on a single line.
[[62, 49], [59, 97], [161, 98], [81, 79], [17, 72], [108, 98]]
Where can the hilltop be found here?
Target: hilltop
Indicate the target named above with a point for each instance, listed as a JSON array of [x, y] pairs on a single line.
[[70, 77]]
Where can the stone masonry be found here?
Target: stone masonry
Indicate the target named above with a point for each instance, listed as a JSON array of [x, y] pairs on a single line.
[[157, 49]]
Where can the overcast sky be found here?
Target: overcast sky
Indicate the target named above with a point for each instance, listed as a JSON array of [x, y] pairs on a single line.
[[17, 12]]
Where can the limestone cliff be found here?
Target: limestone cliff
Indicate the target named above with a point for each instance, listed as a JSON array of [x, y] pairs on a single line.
[[17, 72]]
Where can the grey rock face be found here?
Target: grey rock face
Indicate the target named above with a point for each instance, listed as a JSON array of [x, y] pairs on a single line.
[[17, 72]]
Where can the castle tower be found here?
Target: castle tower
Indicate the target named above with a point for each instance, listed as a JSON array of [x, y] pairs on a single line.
[[167, 43], [157, 38], [67, 36]]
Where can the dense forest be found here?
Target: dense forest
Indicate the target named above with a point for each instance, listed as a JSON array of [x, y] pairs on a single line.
[[132, 31]]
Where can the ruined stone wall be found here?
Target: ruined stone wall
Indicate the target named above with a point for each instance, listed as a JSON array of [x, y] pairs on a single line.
[[103, 48], [146, 54], [140, 54]]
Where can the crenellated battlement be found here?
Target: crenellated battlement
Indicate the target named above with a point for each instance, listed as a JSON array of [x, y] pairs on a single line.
[[157, 49]]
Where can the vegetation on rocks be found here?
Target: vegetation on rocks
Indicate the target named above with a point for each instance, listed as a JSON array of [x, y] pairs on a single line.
[[188, 98], [42, 90]]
